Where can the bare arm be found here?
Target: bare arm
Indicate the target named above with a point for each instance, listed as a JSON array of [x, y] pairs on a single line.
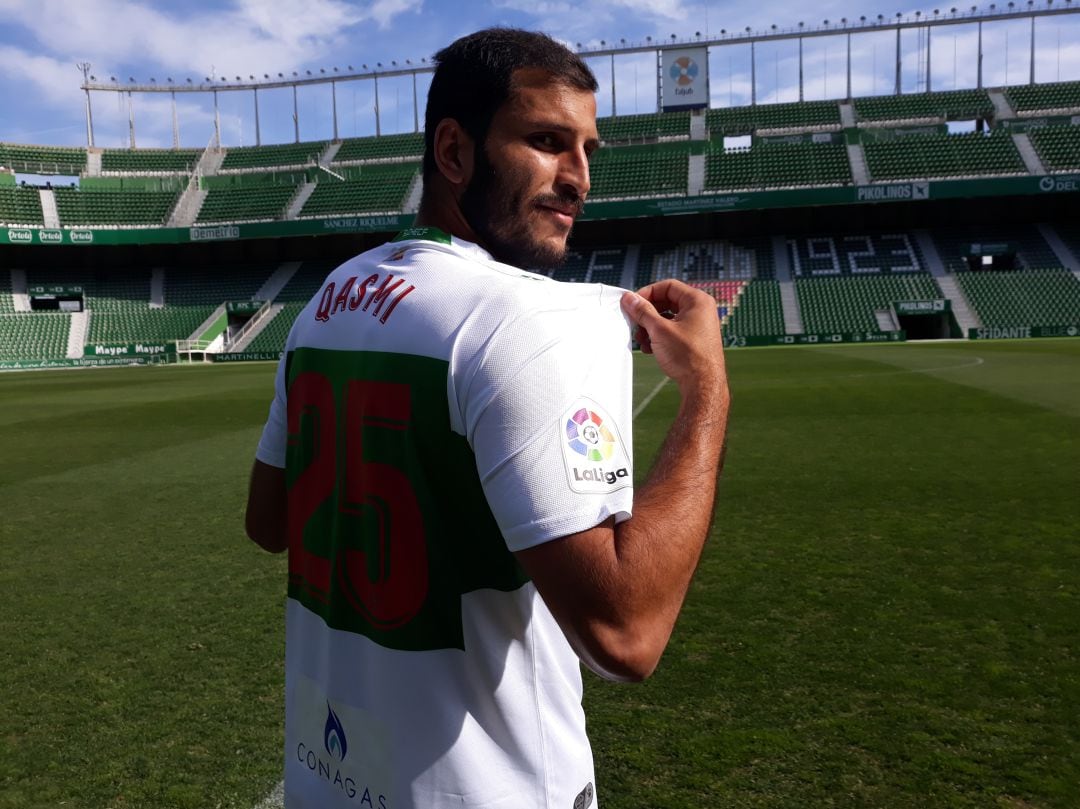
[[616, 590], [266, 517]]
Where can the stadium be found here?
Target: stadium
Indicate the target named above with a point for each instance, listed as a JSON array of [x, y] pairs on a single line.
[[887, 614]]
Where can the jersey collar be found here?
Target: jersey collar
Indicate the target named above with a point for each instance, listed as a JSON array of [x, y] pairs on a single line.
[[433, 234]]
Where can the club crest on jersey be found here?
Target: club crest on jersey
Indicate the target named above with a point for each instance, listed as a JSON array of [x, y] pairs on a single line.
[[596, 458]]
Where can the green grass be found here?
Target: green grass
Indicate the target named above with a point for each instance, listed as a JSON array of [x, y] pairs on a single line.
[[886, 614]]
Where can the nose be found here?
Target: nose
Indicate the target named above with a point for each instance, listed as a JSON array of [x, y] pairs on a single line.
[[574, 172]]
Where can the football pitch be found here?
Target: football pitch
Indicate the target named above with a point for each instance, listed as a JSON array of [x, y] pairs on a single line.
[[887, 613]]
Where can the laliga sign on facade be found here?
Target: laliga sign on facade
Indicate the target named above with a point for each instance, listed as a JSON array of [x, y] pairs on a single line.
[[685, 83]]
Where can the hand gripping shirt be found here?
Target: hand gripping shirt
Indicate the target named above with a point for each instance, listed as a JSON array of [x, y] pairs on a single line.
[[434, 412]]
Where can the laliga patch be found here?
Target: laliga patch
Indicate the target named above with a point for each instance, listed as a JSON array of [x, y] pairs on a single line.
[[595, 455]]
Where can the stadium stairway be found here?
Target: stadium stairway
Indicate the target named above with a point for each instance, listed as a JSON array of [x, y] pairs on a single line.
[[789, 301], [857, 158], [885, 320], [303, 193], [20, 301], [1028, 153], [277, 281], [80, 327], [847, 115], [698, 130], [1061, 250], [93, 162], [50, 217], [966, 317], [157, 288], [416, 190], [254, 327], [695, 184], [1002, 109]]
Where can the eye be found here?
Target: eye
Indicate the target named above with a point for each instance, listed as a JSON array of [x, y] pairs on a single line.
[[545, 140]]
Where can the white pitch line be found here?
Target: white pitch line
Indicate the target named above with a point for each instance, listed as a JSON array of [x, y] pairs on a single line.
[[652, 395], [276, 798]]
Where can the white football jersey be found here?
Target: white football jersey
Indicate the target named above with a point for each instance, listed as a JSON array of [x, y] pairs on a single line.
[[436, 411]]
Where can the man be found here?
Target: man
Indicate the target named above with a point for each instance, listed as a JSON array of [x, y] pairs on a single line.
[[448, 461]]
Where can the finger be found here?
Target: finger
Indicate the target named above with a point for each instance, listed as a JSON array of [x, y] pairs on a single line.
[[673, 296], [641, 312]]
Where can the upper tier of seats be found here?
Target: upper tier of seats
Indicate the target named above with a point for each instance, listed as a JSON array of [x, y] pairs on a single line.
[[951, 105], [378, 187], [386, 146], [153, 161], [240, 204], [20, 206], [1058, 146], [42, 159], [639, 171], [78, 206], [1044, 97], [744, 120], [281, 154], [648, 126], [933, 156], [777, 165]]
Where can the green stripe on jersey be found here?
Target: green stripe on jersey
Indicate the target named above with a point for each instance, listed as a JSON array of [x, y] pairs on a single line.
[[388, 523]]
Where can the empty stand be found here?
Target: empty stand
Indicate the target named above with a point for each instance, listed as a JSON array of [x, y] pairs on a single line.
[[379, 187], [1017, 246], [758, 311], [853, 254], [847, 304], [1056, 96], [42, 159], [20, 206], [705, 261], [243, 204], [1049, 297], [599, 265], [745, 120], [1058, 146], [777, 165], [951, 105], [295, 295], [150, 161], [33, 336], [648, 126], [640, 171], [930, 156], [285, 154], [79, 206], [381, 148]]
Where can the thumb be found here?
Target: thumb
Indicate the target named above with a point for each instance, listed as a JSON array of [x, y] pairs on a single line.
[[640, 311]]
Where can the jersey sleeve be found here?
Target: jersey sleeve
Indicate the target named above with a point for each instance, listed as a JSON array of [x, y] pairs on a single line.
[[546, 409], [271, 449]]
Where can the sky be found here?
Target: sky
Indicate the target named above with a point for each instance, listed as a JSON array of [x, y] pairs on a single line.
[[43, 41]]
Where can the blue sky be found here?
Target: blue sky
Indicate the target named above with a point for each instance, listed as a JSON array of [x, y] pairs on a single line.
[[42, 40]]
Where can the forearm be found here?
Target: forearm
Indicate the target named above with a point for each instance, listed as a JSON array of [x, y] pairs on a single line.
[[656, 552]]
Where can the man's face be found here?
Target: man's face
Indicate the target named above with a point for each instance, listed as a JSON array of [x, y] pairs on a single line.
[[531, 175]]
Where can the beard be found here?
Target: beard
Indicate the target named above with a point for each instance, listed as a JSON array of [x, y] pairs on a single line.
[[495, 207]]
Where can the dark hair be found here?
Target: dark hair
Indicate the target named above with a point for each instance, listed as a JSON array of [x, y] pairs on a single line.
[[473, 79]]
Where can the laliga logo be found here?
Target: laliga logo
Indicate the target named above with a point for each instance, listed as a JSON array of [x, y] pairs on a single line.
[[334, 735], [683, 71], [1046, 184], [587, 435]]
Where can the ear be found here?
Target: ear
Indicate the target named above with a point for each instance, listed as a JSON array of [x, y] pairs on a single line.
[[454, 152]]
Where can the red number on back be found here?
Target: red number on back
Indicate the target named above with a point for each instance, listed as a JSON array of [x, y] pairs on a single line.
[[396, 591]]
